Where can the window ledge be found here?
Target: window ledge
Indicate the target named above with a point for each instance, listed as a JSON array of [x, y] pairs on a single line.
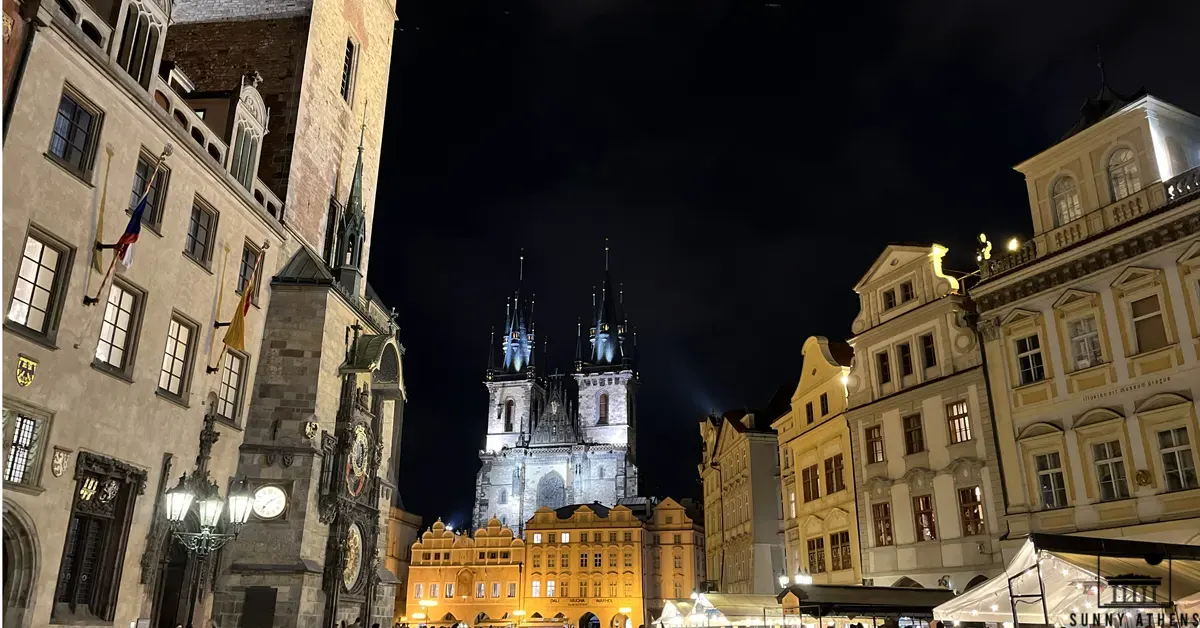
[[1095, 367], [1031, 384], [44, 341], [175, 399], [82, 177], [203, 265], [24, 488], [111, 372], [1164, 349]]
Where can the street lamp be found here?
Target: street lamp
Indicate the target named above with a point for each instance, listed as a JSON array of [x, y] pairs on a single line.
[[783, 580], [802, 577]]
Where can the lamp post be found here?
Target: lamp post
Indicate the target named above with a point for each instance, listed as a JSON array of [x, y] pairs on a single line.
[[802, 577], [202, 493]]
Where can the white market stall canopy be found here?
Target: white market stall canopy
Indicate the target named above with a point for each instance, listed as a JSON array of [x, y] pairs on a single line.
[[722, 609], [1078, 574]]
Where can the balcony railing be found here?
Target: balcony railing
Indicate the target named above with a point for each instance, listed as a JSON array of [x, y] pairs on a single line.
[[1094, 223]]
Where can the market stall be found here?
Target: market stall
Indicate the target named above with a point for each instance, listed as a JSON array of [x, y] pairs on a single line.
[[1055, 578]]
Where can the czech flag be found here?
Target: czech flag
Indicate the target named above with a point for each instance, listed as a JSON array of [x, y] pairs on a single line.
[[132, 231]]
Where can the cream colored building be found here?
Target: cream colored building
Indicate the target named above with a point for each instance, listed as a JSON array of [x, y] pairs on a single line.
[[1092, 330], [403, 530], [744, 514], [929, 498], [819, 511], [673, 559], [456, 578]]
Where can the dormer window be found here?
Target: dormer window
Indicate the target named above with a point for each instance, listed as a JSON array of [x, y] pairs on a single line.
[[1064, 196], [1123, 177], [139, 44], [889, 299], [906, 292]]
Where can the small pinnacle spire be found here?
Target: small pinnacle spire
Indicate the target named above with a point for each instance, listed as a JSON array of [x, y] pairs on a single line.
[[606, 254], [621, 294], [521, 273], [492, 350]]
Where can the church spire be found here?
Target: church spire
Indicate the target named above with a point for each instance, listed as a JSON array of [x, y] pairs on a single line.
[[352, 230], [607, 333], [518, 343]]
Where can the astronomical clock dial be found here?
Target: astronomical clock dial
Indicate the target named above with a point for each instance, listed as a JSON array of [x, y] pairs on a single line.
[[358, 450], [353, 566], [269, 502]]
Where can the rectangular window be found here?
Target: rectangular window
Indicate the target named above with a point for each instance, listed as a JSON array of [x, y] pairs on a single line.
[[1178, 464], [157, 192], [550, 559], [495, 589], [677, 539], [536, 590], [583, 560], [906, 292], [612, 537], [492, 555], [583, 537], [1148, 326], [504, 555], [418, 590], [73, 140], [970, 506], [816, 555], [812, 488], [537, 561], [889, 299], [881, 518], [923, 515], [885, 368], [808, 412], [433, 590], [612, 589], [537, 537], [839, 551], [1029, 360], [552, 537], [1050, 480], [512, 589], [597, 560], [597, 588], [566, 537], [39, 285], [1110, 470], [202, 228], [928, 351], [177, 357], [1085, 342], [249, 266], [628, 559], [118, 329], [612, 560], [549, 588], [792, 503], [479, 589], [959, 421], [628, 537], [824, 404], [582, 588], [874, 444], [679, 562], [348, 71], [835, 477], [229, 397], [449, 589], [914, 435], [22, 441], [906, 363]]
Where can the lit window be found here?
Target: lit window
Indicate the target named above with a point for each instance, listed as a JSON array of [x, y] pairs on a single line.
[[874, 444], [923, 515], [1085, 342], [1148, 326], [1123, 177], [1110, 470], [970, 505], [816, 555], [566, 537], [418, 590], [512, 589], [449, 589], [1178, 464], [549, 588], [1029, 359], [1065, 198], [37, 288], [537, 537], [881, 517], [536, 590], [172, 378], [792, 503], [116, 331], [495, 589], [229, 397], [433, 590], [914, 435], [479, 589], [1050, 480], [960, 422], [23, 440]]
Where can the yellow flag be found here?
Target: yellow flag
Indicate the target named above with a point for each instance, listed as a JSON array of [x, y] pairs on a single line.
[[235, 336]]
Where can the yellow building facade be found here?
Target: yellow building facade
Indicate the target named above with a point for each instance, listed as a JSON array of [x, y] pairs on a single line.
[[454, 578], [817, 476], [403, 528], [674, 555], [1091, 331]]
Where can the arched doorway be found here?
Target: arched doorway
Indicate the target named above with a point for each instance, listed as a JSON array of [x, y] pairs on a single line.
[[589, 620], [21, 564], [620, 620], [976, 581], [552, 492], [175, 584], [907, 582]]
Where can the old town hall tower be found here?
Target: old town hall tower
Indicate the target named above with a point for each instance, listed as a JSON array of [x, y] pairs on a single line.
[[554, 440]]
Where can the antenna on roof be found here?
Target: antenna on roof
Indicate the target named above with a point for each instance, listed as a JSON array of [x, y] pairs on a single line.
[[1100, 65]]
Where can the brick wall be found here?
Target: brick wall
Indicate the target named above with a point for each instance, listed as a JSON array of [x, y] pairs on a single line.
[[216, 55]]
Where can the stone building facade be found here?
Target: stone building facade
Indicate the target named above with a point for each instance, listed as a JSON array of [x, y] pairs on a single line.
[[88, 121], [673, 560], [928, 485], [557, 440], [819, 500], [740, 475], [1091, 330], [403, 529]]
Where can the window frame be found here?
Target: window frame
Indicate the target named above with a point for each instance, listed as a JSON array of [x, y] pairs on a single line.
[[906, 292], [84, 171], [841, 557], [1138, 297], [132, 333], [874, 440], [250, 247], [1115, 466], [959, 423], [1127, 171], [914, 435], [1073, 209], [928, 350], [881, 524], [189, 358], [14, 409], [1090, 337], [970, 513], [1029, 353], [808, 413], [1177, 451], [350, 71], [824, 404], [811, 481], [1051, 472], [924, 533], [883, 367], [904, 356], [888, 299], [241, 390], [56, 300], [162, 182], [835, 477], [816, 554], [203, 207]]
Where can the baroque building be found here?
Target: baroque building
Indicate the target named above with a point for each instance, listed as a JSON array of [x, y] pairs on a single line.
[[403, 529], [819, 499], [926, 476], [196, 105], [739, 472], [554, 440], [1091, 329]]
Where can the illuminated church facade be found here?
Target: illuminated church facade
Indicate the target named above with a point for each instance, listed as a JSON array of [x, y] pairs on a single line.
[[559, 439]]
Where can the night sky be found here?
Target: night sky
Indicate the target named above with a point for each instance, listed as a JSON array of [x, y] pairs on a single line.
[[747, 160]]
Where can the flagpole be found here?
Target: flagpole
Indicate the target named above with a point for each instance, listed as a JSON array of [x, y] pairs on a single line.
[[247, 298], [167, 150], [216, 310], [108, 149]]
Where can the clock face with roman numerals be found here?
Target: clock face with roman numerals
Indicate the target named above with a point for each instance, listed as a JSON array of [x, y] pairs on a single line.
[[269, 502]]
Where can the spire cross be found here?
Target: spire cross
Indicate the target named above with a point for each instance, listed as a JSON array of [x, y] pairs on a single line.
[[521, 272], [605, 253]]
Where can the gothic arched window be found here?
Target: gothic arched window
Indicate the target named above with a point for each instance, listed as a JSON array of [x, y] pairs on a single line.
[[1065, 198], [552, 491], [509, 406], [1123, 177], [602, 412], [503, 496]]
